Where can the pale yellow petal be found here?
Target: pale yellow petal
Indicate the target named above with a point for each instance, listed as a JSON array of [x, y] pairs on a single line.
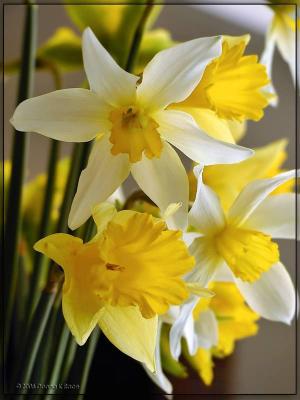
[[131, 333]]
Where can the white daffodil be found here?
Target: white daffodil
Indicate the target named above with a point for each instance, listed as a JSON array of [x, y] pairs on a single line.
[[131, 125], [237, 246], [281, 34]]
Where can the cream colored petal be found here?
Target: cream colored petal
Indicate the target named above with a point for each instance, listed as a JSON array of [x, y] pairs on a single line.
[[180, 129], [103, 174], [70, 115], [206, 330], [206, 214], [165, 181], [173, 73], [113, 84], [254, 193], [131, 333], [179, 326], [208, 261], [267, 59], [275, 216], [285, 38], [158, 377], [272, 296]]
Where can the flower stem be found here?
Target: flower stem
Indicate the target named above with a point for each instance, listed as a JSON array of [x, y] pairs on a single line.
[[88, 358], [19, 156], [44, 226], [138, 37], [37, 328]]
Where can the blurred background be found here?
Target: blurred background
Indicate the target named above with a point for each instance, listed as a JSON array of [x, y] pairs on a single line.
[[264, 364]]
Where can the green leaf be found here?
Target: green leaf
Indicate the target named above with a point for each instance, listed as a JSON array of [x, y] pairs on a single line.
[[114, 25], [63, 49], [169, 364]]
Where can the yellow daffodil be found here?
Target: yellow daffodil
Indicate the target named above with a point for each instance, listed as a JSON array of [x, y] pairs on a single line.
[[217, 324], [127, 275], [282, 34], [132, 125], [238, 245], [229, 93], [266, 162]]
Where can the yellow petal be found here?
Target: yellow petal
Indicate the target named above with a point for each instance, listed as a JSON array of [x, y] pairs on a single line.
[[265, 163], [237, 129], [60, 247], [81, 263], [130, 332], [210, 122], [102, 214], [202, 362], [235, 319]]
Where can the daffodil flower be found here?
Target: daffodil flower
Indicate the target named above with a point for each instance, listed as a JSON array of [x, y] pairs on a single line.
[[238, 246], [127, 275], [131, 125], [281, 34], [231, 91]]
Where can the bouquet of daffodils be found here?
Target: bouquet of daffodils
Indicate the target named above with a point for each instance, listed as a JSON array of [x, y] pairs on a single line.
[[176, 272]]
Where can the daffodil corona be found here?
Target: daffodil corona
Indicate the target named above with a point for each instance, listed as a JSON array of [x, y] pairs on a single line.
[[129, 273], [131, 124]]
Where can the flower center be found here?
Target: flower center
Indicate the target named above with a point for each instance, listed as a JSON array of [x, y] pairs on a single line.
[[248, 253], [142, 259], [134, 133]]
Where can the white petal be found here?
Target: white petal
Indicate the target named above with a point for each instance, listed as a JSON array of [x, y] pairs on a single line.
[[189, 237], [177, 329], [286, 41], [224, 274], [254, 193], [180, 129], [70, 115], [207, 260], [272, 296], [206, 330], [103, 174], [267, 59], [206, 214], [158, 377], [165, 181], [190, 335], [111, 82], [174, 73], [275, 216]]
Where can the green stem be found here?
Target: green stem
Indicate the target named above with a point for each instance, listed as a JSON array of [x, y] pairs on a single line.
[[59, 358], [19, 156], [138, 37], [68, 361], [88, 358], [44, 226], [37, 328]]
